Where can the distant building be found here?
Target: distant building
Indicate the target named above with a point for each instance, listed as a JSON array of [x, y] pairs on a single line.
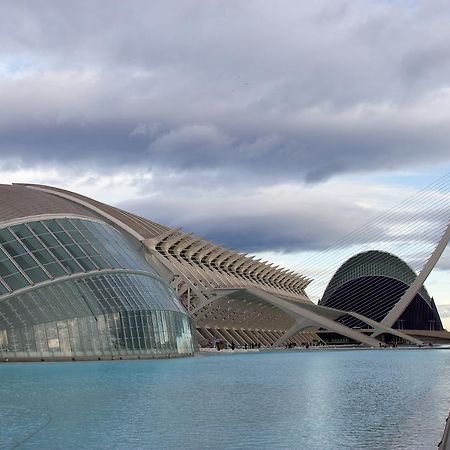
[[370, 284]]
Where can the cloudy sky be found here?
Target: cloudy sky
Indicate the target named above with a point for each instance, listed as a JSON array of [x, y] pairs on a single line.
[[270, 127]]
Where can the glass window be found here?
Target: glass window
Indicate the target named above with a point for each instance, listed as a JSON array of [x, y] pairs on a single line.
[[80, 225], [86, 263], [88, 249], [3, 289], [44, 256], [72, 266], [36, 275], [25, 262], [72, 246], [15, 281], [61, 253], [53, 226], [7, 268], [55, 270], [101, 262], [63, 238], [32, 244], [6, 236], [66, 224], [75, 251], [77, 237], [49, 240], [21, 231], [38, 228], [66, 260], [14, 248], [3, 255]]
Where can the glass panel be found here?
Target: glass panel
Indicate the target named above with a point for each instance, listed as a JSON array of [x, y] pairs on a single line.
[[21, 230], [86, 264], [36, 275], [6, 236], [38, 228], [63, 336], [49, 240], [53, 226], [88, 249], [77, 237], [55, 270], [3, 255], [61, 253], [15, 281], [44, 257], [101, 262], [66, 224], [14, 248], [25, 262], [75, 324], [64, 238], [32, 244], [71, 266], [75, 251], [3, 289], [7, 268], [66, 260]]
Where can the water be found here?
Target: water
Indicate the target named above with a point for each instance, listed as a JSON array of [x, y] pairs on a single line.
[[379, 399]]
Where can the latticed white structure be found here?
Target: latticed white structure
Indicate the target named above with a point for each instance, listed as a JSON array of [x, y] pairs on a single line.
[[201, 272]]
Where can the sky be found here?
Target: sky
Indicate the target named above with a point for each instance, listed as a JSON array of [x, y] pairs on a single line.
[[274, 128]]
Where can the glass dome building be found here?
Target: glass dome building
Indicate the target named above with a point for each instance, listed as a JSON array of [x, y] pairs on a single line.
[[74, 285]]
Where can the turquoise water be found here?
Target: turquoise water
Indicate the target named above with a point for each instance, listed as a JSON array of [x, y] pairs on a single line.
[[380, 399]]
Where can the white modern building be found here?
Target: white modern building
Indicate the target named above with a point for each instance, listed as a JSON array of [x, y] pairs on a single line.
[[82, 279]]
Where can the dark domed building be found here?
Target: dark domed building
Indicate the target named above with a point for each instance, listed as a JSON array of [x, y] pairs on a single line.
[[370, 284]]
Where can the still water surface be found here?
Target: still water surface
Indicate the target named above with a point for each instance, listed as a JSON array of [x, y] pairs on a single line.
[[379, 399]]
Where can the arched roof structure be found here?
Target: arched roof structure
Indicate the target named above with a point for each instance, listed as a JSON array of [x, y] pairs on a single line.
[[229, 295], [371, 283], [73, 286]]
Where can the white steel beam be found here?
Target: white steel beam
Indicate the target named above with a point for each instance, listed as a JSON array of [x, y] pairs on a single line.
[[413, 289]]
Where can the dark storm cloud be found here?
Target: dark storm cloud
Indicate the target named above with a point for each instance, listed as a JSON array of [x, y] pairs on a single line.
[[291, 218], [296, 91], [252, 222], [215, 101]]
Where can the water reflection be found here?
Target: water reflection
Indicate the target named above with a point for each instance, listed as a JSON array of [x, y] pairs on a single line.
[[310, 400]]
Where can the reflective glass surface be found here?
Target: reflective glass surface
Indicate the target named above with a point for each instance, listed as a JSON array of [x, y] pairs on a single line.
[[125, 311], [113, 314], [42, 250]]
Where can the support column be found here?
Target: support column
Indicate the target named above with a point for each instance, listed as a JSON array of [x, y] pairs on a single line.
[[298, 325], [237, 337], [411, 292]]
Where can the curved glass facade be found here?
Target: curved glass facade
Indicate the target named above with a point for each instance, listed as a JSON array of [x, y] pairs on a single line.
[[77, 288], [38, 251]]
